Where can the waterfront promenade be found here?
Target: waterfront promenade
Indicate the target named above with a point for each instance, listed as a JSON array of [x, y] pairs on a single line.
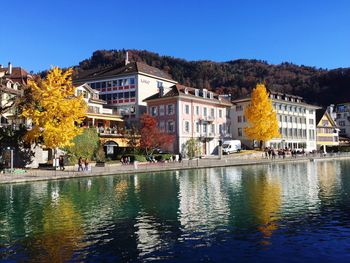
[[116, 168]]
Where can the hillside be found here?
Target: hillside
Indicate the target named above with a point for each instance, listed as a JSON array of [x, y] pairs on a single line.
[[238, 77]]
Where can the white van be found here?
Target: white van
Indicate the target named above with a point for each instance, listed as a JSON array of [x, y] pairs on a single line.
[[231, 146]]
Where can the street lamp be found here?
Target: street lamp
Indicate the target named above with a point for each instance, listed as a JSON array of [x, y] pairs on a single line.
[[11, 151]]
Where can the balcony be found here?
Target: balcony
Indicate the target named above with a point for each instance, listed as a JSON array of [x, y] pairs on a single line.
[[207, 118], [207, 136], [107, 132]]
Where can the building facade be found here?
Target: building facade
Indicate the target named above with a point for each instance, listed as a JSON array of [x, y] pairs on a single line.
[[327, 130], [191, 113], [343, 118], [296, 120], [124, 88]]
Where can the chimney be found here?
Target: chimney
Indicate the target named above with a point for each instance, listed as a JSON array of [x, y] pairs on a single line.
[[9, 69], [127, 58]]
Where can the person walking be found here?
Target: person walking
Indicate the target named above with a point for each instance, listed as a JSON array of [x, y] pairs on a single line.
[[180, 157], [86, 164], [61, 163], [80, 164]]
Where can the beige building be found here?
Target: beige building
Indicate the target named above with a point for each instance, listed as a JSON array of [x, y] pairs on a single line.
[[125, 87], [296, 120], [327, 130]]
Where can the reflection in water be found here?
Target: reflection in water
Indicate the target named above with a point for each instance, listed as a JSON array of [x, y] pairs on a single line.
[[214, 214], [62, 233]]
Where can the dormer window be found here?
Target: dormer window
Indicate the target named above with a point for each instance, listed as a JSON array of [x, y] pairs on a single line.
[[204, 93], [196, 92], [186, 90], [272, 96], [211, 95]]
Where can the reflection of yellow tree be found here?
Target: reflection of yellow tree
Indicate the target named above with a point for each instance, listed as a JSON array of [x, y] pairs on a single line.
[[265, 197], [327, 176], [62, 233], [120, 189]]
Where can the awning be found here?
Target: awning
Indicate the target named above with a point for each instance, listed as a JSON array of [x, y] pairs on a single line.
[[104, 117]]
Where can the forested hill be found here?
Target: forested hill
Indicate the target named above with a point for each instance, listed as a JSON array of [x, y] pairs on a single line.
[[238, 77]]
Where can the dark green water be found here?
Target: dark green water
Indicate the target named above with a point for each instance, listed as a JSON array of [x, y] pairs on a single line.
[[273, 213]]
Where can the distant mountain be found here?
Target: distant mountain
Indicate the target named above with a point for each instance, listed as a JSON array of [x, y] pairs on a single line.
[[238, 77]]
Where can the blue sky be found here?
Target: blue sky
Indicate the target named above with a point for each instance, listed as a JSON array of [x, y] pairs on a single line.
[[38, 34]]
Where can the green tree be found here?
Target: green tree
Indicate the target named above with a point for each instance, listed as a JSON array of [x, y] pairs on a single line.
[[193, 148], [85, 145]]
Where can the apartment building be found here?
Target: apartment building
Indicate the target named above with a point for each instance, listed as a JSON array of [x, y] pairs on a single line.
[[125, 87], [296, 119], [189, 113], [343, 118]]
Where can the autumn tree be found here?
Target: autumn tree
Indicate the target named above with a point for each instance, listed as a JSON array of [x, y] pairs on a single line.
[[151, 137], [56, 113], [262, 118], [193, 148]]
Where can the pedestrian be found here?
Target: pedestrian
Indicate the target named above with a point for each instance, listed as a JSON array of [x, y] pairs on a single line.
[[180, 157], [80, 164], [86, 164], [61, 163]]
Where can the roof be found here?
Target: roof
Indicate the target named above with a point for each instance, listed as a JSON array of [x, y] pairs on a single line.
[[319, 115], [184, 91], [18, 74], [114, 71]]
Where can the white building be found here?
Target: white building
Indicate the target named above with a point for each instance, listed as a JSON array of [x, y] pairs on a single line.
[[296, 119], [124, 88], [343, 118], [191, 113]]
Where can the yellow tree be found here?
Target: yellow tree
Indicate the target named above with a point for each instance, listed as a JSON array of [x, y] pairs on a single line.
[[56, 113], [262, 118]]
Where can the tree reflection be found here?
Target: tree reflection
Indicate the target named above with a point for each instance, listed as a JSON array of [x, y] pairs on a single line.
[[264, 193], [61, 235]]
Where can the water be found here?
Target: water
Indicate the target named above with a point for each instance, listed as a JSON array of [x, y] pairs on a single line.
[[267, 213]]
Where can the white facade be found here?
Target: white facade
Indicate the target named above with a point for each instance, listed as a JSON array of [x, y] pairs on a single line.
[[296, 121], [343, 118]]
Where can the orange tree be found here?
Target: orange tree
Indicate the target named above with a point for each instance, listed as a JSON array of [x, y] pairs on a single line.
[[262, 118], [56, 113], [151, 137]]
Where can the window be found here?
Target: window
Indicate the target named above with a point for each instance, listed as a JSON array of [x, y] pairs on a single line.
[[197, 127], [120, 82], [220, 129], [154, 111], [196, 92], [240, 134], [285, 118], [204, 93], [212, 130], [280, 118], [212, 112], [342, 123], [205, 128], [170, 109], [220, 113], [132, 81], [98, 85], [115, 96], [171, 127], [239, 118], [187, 109], [239, 108], [290, 132], [205, 111], [132, 94], [92, 85], [126, 95], [103, 84], [120, 95], [290, 119], [161, 126], [109, 84], [244, 119], [159, 84], [115, 83], [187, 126], [197, 110], [161, 110], [325, 123], [311, 111]]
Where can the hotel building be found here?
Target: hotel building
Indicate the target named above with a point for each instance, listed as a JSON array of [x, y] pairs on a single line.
[[343, 118], [191, 113], [296, 119], [124, 88]]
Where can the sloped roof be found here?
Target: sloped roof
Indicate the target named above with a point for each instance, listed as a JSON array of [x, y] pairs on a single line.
[[319, 115], [114, 71], [18, 74], [181, 90]]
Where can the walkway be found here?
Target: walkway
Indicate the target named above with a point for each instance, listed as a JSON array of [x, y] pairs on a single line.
[[115, 169]]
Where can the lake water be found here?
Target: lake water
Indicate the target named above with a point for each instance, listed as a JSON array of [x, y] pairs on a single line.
[[266, 213]]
